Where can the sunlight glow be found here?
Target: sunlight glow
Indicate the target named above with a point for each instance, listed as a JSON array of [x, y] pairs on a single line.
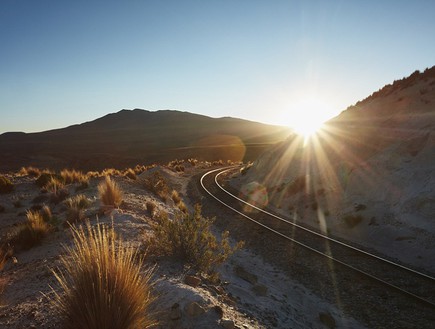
[[311, 115]]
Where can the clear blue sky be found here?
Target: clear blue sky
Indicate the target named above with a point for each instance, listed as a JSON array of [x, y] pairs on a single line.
[[67, 62]]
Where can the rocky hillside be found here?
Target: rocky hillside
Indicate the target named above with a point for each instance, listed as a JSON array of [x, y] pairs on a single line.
[[131, 137], [367, 177]]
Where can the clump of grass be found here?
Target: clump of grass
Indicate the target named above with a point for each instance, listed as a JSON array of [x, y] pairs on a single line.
[[32, 232], [188, 238], [57, 190], [130, 173], [175, 197], [6, 186], [156, 183], [46, 214], [102, 284], [31, 171], [151, 207], [72, 176], [109, 193], [76, 208]]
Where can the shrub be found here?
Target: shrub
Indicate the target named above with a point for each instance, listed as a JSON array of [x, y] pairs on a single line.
[[151, 206], [75, 208], [109, 192], [57, 190], [31, 171], [175, 197], [6, 185], [156, 183], [32, 232], [45, 178], [46, 214], [102, 285], [129, 173], [188, 238]]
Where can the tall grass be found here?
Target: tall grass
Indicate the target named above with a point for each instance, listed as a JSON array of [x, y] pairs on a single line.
[[109, 193], [102, 284]]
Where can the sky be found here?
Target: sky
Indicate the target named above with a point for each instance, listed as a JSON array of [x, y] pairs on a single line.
[[272, 61]]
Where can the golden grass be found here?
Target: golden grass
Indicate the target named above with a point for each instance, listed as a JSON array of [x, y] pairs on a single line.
[[109, 193], [175, 197], [32, 232], [102, 285]]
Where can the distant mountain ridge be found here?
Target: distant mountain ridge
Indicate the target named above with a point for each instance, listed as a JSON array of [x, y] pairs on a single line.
[[129, 137]]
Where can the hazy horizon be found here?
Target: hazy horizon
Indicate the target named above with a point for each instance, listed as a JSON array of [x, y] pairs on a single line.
[[65, 63]]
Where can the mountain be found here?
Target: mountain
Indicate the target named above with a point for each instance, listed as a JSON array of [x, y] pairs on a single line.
[[131, 137], [368, 176]]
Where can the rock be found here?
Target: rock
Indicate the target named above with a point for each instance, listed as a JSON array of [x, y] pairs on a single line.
[[194, 309], [175, 313], [245, 275], [327, 319], [260, 290], [219, 311], [227, 324], [191, 280]]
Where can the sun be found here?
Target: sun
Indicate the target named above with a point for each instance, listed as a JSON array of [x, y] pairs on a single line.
[[308, 116]]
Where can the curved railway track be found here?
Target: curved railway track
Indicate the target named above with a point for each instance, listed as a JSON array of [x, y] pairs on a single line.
[[414, 285]]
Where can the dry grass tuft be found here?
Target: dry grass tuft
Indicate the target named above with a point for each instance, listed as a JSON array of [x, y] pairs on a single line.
[[130, 173], [102, 284], [188, 238], [175, 197], [151, 207], [57, 190], [6, 186], [109, 192], [32, 232], [156, 183], [76, 206]]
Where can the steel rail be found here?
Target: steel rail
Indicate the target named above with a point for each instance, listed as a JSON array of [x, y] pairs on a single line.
[[419, 298]]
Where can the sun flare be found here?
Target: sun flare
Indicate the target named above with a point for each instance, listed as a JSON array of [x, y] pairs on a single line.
[[309, 118]]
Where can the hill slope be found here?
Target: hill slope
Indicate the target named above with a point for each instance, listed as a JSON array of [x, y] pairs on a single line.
[[129, 137], [368, 176]]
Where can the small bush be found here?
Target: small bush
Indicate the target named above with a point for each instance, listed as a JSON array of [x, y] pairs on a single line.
[[45, 178], [57, 190], [71, 176], [75, 208], [102, 284], [175, 197], [129, 173], [32, 232], [188, 238], [46, 214], [109, 193], [156, 183], [151, 207], [31, 171], [6, 185]]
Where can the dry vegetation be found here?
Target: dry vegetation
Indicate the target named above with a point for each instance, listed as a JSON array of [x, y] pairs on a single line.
[[6, 185], [188, 238], [109, 192], [102, 284]]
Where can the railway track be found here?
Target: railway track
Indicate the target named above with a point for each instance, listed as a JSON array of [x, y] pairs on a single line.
[[417, 287]]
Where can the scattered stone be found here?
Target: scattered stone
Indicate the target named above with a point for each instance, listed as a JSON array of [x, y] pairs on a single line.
[[260, 290], [227, 324], [245, 275], [192, 281], [219, 311], [175, 313], [194, 309], [327, 319]]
